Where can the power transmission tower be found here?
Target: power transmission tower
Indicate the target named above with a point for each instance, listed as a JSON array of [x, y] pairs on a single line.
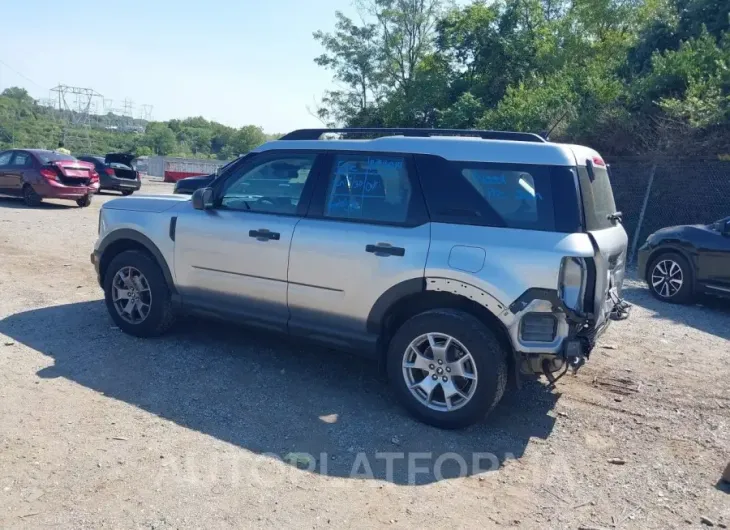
[[75, 106], [146, 113]]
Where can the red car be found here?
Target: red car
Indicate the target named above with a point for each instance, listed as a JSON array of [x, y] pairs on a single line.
[[35, 174]]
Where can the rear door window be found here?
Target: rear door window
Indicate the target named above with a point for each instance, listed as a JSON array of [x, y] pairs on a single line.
[[597, 196], [369, 188], [22, 160], [5, 158]]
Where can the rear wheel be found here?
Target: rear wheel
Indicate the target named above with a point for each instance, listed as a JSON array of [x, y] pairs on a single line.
[[30, 196], [670, 278], [127, 192], [137, 295], [84, 201], [447, 367]]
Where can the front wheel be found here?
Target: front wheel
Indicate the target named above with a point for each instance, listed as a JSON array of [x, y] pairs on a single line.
[[670, 278], [84, 201], [447, 367], [137, 295], [127, 192]]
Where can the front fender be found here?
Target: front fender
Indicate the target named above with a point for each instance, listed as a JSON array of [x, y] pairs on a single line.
[[115, 240]]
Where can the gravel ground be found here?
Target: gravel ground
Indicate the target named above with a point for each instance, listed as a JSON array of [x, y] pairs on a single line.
[[211, 426]]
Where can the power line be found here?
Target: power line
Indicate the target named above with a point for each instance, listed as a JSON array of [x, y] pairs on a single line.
[[20, 74]]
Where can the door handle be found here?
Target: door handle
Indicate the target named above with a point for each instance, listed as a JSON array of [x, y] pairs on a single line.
[[263, 234], [385, 249]]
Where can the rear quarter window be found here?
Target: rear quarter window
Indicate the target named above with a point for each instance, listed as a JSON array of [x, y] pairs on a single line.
[[522, 196]]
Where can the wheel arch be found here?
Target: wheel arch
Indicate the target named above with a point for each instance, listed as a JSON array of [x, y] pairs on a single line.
[[411, 297], [671, 249], [126, 239]]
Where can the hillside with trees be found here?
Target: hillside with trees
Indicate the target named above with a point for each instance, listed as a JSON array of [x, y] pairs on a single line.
[[24, 122], [625, 76], [628, 77]]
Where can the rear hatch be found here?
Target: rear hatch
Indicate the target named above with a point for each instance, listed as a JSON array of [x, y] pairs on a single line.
[[74, 172], [121, 164], [605, 229]]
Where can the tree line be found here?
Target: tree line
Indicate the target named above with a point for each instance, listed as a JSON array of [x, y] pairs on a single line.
[[25, 123], [625, 76]]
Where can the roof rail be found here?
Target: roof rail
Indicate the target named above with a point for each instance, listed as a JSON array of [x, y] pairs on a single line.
[[315, 134]]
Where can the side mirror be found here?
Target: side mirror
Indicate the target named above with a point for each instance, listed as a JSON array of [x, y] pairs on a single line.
[[202, 199]]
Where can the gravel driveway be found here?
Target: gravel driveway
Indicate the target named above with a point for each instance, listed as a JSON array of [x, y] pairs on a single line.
[[215, 426]]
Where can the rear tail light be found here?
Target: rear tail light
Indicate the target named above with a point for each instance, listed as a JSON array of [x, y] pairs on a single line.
[[572, 282], [109, 171], [48, 173], [94, 176]]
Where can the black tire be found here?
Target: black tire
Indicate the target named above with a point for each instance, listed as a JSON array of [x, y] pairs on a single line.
[[84, 201], [127, 192], [685, 294], [488, 354], [30, 196], [161, 314]]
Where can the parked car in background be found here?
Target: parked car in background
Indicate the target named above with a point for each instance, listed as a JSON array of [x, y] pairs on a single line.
[[188, 185], [36, 174], [115, 172], [456, 263], [680, 262]]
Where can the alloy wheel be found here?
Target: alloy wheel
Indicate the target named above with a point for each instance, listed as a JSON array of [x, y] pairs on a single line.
[[131, 295], [440, 372], [667, 278]]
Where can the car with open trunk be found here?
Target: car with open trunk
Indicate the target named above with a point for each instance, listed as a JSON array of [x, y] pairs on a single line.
[[37, 174]]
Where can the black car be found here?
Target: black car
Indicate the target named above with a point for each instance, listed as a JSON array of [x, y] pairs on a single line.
[[115, 172], [680, 262], [188, 185]]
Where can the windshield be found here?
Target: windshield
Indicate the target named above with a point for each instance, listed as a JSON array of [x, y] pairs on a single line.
[[52, 156]]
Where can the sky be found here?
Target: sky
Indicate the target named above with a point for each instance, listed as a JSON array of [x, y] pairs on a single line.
[[236, 62]]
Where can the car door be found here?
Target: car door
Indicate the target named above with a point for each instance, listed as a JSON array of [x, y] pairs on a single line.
[[5, 158], [714, 257], [366, 233], [233, 258], [21, 163]]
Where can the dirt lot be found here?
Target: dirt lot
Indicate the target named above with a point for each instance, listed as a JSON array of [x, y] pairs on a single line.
[[99, 429]]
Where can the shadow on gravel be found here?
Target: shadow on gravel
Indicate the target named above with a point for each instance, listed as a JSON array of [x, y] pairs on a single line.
[[711, 315], [269, 395], [17, 203]]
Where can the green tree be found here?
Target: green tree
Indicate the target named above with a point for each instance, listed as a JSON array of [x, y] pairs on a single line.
[[244, 140], [378, 62], [159, 138]]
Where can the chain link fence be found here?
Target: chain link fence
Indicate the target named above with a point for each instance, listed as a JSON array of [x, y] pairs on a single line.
[[656, 192]]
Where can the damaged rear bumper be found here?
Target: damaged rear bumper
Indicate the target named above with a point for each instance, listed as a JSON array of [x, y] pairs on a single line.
[[576, 335]]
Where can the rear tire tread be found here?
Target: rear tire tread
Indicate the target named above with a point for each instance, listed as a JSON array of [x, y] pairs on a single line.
[[488, 353]]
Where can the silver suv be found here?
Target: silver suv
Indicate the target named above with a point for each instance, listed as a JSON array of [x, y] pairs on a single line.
[[457, 259]]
